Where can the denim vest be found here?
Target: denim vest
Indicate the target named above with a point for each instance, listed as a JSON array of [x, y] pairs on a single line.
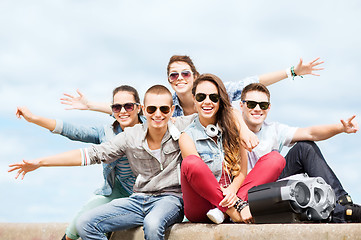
[[210, 151]]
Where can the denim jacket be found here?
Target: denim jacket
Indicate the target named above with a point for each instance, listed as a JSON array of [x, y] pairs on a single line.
[[154, 176], [210, 151], [98, 135], [234, 90]]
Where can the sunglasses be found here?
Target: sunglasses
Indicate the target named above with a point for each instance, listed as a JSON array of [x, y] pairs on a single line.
[[214, 97], [127, 107], [163, 109], [253, 104], [175, 75]]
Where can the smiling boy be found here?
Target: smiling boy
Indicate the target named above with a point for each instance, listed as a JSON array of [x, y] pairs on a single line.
[[304, 156]]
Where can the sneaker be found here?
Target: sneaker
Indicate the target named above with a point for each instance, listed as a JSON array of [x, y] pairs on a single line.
[[353, 213], [216, 215], [345, 200]]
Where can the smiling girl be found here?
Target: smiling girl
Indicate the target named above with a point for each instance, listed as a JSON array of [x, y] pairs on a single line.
[[118, 177]]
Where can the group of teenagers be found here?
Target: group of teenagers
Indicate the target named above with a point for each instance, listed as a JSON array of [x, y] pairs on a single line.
[[191, 153]]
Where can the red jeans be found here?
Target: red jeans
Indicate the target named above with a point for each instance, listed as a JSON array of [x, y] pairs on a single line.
[[202, 192]]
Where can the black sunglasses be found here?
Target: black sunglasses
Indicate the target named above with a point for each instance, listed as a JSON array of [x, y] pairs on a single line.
[[163, 109], [214, 97], [127, 106], [175, 75], [253, 104]]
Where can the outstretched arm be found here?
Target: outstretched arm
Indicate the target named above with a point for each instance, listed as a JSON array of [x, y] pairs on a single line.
[[81, 103], [323, 132], [71, 158], [301, 69], [38, 120]]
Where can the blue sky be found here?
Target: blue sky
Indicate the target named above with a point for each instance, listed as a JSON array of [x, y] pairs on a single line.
[[51, 47]]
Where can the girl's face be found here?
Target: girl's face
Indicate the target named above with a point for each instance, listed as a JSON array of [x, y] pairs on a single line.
[[181, 77], [207, 100], [126, 118]]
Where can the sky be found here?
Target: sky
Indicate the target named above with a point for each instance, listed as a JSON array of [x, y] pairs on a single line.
[[48, 48]]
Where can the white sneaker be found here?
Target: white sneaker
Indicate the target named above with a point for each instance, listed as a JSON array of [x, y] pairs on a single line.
[[216, 215]]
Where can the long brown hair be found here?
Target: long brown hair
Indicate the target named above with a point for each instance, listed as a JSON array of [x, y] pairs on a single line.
[[225, 121], [134, 92]]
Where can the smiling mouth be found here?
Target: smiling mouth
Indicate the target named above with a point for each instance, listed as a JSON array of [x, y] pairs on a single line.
[[181, 84], [158, 120], [124, 117], [207, 109], [257, 116]]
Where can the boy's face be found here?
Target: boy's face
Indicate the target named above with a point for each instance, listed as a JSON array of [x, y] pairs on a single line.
[[158, 110], [254, 117]]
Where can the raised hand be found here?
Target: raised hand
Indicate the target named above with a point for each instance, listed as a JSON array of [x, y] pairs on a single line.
[[79, 102], [25, 113], [308, 68], [24, 167], [350, 125]]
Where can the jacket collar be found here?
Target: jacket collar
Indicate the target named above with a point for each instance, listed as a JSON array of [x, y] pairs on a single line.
[[172, 131]]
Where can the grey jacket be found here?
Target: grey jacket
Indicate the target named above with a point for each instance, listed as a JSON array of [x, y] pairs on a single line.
[[153, 176]]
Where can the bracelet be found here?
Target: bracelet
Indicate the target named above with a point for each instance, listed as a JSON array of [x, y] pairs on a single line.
[[293, 73], [243, 205], [238, 202], [240, 205]]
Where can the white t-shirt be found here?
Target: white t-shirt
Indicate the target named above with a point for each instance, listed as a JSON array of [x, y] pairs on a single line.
[[272, 136]]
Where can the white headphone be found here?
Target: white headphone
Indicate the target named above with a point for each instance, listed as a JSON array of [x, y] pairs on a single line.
[[212, 130]]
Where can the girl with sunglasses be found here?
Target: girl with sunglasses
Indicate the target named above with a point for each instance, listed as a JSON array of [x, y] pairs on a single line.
[[118, 177], [214, 176]]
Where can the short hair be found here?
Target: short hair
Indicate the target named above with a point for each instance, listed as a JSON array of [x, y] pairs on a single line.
[[259, 87], [159, 90], [183, 58]]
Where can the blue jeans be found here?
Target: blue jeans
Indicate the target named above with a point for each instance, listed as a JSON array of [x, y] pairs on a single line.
[[95, 201], [155, 213], [306, 157]]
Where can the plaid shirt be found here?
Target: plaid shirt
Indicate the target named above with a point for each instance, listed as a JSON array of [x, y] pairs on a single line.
[[234, 90]]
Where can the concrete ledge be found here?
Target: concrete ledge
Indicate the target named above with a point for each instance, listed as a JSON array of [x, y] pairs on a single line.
[[309, 231], [186, 231], [32, 231]]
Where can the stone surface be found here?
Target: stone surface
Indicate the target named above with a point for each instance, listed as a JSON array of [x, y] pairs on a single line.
[[32, 231], [192, 231], [305, 231]]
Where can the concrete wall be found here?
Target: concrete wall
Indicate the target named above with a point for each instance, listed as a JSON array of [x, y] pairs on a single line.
[[191, 231]]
